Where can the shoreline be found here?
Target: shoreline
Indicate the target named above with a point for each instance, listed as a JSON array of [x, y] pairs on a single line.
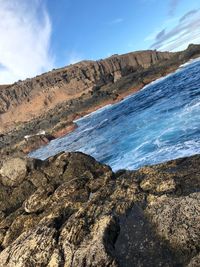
[[71, 124], [120, 98], [61, 120], [130, 92]]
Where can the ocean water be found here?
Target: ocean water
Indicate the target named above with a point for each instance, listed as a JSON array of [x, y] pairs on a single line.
[[157, 124]]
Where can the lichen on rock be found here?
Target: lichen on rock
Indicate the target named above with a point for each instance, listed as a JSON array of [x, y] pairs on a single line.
[[71, 210], [13, 171]]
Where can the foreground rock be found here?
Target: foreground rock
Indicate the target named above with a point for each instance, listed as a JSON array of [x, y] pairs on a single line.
[[73, 211]]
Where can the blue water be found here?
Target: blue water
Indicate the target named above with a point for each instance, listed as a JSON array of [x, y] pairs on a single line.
[[159, 123]]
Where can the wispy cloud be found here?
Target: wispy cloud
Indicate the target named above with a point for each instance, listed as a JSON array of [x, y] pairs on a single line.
[[186, 31], [116, 21], [25, 31], [172, 6], [188, 15], [74, 57]]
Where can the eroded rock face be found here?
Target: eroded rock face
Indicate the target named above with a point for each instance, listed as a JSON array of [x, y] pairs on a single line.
[[177, 221], [194, 261], [78, 77], [73, 211]]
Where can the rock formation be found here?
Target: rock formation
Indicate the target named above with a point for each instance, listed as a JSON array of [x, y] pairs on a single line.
[[75, 79], [73, 211], [28, 99]]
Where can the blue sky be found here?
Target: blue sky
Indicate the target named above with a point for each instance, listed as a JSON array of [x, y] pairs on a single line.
[[38, 35]]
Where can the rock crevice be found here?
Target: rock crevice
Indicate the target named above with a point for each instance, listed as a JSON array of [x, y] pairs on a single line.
[[73, 211]]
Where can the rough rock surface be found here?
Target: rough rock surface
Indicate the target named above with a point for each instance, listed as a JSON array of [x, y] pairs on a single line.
[[13, 171], [73, 211], [78, 77]]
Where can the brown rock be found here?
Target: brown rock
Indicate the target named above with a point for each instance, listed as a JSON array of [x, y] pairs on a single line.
[[157, 182], [47, 90], [195, 262], [13, 171], [73, 211], [32, 248], [177, 221]]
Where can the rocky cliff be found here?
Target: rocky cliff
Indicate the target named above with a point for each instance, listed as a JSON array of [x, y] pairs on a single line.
[[28, 99], [77, 78], [73, 211]]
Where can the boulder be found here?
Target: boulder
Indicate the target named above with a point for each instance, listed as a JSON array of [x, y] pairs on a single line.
[[13, 171]]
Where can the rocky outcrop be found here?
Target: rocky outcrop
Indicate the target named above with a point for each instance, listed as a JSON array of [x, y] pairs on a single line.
[[31, 98], [13, 172], [77, 78], [73, 211]]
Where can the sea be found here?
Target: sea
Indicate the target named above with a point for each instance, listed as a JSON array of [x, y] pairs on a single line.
[[159, 123]]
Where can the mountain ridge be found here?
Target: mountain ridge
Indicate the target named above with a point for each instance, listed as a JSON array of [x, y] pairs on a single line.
[[71, 81]]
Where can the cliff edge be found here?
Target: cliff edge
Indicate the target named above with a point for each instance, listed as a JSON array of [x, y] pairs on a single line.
[[32, 97]]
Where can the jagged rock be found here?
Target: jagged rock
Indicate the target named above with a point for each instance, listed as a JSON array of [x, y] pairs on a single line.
[[32, 248], [195, 262], [157, 182], [13, 171], [73, 211], [177, 221], [92, 251]]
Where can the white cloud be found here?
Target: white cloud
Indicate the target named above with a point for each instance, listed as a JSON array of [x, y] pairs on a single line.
[[185, 32], [74, 57], [167, 24], [25, 31]]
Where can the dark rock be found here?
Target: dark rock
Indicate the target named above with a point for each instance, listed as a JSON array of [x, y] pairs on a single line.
[[73, 211], [177, 221], [13, 171]]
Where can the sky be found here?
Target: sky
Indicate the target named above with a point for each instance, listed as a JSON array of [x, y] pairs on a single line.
[[39, 35]]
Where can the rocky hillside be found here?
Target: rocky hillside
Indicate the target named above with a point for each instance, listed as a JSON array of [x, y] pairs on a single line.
[[73, 211], [28, 99], [77, 78]]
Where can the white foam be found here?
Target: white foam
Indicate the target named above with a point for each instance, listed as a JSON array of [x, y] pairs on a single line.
[[94, 112], [181, 67], [189, 62]]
